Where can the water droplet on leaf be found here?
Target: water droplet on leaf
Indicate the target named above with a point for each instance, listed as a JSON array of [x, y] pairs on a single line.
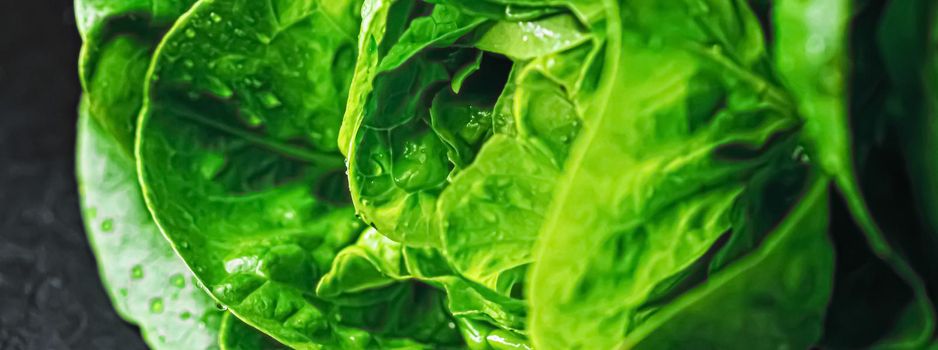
[[178, 281], [269, 100], [107, 225], [156, 305]]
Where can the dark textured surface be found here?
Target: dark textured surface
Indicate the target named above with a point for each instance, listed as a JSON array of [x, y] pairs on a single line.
[[50, 294]]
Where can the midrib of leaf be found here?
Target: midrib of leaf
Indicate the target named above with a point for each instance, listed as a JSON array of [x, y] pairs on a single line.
[[573, 166], [328, 160], [614, 44]]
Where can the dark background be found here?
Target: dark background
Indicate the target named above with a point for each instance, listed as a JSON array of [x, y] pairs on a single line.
[[50, 294]]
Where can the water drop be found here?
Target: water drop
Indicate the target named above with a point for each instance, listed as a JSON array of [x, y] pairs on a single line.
[[210, 165], [136, 272], [218, 87], [185, 315], [156, 305], [215, 17], [190, 33], [254, 121], [269, 100], [107, 225], [178, 281], [815, 45]]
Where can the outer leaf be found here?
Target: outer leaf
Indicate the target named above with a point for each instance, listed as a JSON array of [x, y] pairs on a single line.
[[773, 298], [252, 214], [148, 284], [645, 192], [813, 33]]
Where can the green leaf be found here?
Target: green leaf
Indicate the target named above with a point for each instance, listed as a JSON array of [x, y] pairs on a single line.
[[374, 34], [491, 212], [500, 174], [237, 156], [776, 295], [148, 284], [376, 269], [465, 299], [650, 180], [115, 91], [397, 165]]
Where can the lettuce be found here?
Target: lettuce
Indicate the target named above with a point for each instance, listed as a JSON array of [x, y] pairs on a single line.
[[513, 174]]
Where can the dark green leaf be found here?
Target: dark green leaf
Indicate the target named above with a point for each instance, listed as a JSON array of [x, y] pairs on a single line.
[[244, 104]]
